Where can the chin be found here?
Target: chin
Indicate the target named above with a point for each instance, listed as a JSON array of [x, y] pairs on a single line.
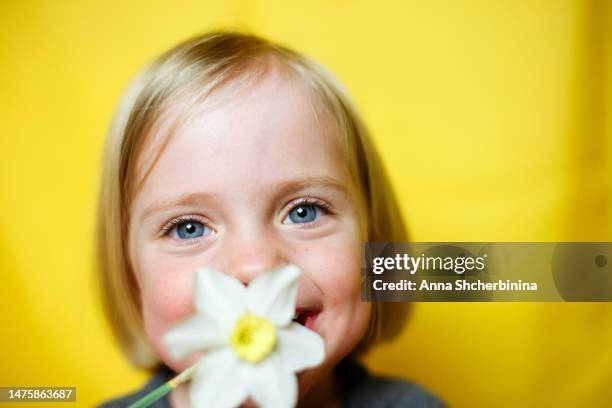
[[312, 378], [306, 380]]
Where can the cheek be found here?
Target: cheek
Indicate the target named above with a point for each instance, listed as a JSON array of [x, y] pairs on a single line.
[[167, 298], [335, 267]]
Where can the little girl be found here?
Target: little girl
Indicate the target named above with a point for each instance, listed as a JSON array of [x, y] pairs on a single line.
[[235, 153]]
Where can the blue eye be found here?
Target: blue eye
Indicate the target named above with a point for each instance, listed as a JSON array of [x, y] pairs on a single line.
[[191, 229], [302, 214], [187, 228]]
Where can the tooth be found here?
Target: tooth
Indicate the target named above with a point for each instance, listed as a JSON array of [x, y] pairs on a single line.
[[296, 315]]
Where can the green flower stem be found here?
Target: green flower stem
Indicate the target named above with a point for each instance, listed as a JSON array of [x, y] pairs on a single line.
[[163, 389]]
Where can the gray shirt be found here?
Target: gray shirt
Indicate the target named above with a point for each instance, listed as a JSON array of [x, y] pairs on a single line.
[[360, 389]]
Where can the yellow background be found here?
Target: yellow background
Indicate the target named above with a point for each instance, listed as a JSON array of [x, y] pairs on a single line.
[[491, 117]]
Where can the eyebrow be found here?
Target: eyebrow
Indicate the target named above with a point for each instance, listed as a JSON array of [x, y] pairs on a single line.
[[185, 200], [283, 188], [287, 187]]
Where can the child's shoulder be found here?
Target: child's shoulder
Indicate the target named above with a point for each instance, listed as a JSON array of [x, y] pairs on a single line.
[[362, 389], [161, 376]]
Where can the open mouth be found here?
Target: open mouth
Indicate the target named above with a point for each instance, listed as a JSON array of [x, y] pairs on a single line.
[[306, 318]]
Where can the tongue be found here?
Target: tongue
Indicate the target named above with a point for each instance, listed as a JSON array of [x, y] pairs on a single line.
[[308, 319]]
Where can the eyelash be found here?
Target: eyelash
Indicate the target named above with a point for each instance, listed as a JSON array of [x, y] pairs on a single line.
[[166, 229]]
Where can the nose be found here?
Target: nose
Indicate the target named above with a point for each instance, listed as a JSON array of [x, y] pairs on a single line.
[[246, 256]]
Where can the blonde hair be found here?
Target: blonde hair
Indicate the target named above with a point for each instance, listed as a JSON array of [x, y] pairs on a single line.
[[191, 71]]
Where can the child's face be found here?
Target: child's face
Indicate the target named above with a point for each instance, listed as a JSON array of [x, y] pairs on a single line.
[[247, 184]]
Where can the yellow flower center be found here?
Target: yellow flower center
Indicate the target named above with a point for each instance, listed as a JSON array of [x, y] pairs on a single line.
[[253, 338]]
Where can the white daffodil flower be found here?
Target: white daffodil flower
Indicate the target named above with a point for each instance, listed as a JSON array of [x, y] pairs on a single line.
[[252, 346]]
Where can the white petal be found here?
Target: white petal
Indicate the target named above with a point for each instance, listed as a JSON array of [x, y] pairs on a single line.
[[216, 381], [299, 347], [219, 297], [272, 295], [271, 385], [196, 333]]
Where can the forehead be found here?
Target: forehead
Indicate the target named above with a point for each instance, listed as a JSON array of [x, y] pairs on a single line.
[[244, 136]]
